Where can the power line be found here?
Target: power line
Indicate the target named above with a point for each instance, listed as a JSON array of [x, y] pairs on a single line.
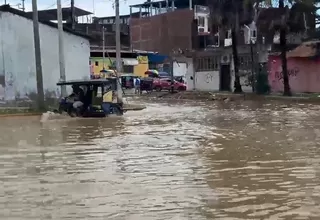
[[54, 4]]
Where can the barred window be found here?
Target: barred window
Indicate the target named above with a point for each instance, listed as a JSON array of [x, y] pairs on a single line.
[[244, 62], [211, 63]]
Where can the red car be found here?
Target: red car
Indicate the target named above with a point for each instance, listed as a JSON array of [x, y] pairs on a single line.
[[165, 84]]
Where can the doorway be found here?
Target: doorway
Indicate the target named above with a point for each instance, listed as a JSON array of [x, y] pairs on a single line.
[[225, 77]]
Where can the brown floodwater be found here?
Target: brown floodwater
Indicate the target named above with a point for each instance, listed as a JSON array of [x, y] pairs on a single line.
[[172, 160]]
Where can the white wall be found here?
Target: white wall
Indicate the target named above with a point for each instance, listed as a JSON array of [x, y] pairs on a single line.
[[243, 79], [248, 32], [190, 73], [179, 69], [207, 81], [202, 81], [17, 59]]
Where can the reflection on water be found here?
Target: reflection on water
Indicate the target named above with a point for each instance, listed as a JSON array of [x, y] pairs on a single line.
[[169, 161]]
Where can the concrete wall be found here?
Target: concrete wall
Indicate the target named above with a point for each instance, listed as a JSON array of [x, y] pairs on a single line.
[[190, 74], [207, 81], [304, 74], [163, 32], [180, 68], [17, 59]]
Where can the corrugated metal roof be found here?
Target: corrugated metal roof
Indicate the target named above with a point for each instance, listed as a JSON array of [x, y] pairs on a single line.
[[306, 49], [7, 8]]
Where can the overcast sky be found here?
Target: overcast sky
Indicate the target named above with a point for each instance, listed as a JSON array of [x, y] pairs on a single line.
[[99, 7]]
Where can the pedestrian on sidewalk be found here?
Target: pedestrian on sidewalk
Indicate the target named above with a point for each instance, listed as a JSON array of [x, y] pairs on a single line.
[[137, 85]]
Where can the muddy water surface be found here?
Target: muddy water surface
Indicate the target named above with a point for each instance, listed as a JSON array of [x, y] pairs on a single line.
[[169, 161]]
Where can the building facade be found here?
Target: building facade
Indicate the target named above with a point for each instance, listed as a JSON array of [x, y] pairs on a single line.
[[163, 33], [138, 65], [17, 57], [303, 69]]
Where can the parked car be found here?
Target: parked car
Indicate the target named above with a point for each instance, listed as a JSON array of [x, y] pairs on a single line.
[[165, 84], [146, 84], [180, 79]]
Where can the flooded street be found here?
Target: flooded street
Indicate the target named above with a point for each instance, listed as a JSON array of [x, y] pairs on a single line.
[[170, 161]]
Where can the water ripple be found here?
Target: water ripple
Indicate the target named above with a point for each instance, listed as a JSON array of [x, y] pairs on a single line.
[[170, 161]]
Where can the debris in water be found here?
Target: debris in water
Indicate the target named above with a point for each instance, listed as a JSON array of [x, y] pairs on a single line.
[[51, 116]]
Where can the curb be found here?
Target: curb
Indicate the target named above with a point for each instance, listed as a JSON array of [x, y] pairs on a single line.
[[19, 115], [207, 96]]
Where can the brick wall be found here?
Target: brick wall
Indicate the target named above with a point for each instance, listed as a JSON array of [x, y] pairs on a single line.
[[164, 32]]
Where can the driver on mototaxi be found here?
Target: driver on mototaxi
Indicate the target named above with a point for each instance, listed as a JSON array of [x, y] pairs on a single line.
[[76, 97]]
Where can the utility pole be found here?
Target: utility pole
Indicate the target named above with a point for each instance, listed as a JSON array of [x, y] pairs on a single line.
[[252, 65], [40, 96], [73, 16], [61, 48], [103, 48], [171, 75], [118, 52], [23, 5]]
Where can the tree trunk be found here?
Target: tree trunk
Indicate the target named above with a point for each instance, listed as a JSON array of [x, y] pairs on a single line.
[[222, 36], [235, 30], [237, 85], [283, 49]]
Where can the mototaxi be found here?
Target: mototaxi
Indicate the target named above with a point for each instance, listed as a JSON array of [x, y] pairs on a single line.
[[92, 102]]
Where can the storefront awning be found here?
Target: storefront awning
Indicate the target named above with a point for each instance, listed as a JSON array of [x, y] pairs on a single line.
[[156, 58], [130, 61]]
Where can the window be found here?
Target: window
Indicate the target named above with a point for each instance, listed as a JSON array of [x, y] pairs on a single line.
[[216, 63], [253, 33], [128, 69], [228, 34], [166, 68], [99, 92], [96, 63], [244, 61], [205, 63], [153, 66], [201, 21], [89, 62], [124, 20], [210, 63], [241, 61], [200, 65]]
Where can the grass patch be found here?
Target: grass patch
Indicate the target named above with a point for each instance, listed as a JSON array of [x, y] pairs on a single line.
[[18, 111]]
